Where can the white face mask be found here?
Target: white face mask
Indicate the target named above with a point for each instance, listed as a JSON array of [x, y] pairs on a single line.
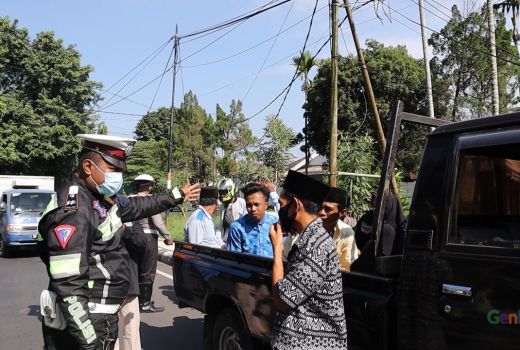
[[112, 183]]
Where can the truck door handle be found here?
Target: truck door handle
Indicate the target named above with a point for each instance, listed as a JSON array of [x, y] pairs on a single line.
[[457, 290]]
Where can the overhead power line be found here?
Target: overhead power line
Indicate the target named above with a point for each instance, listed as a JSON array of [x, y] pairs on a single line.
[[235, 20], [456, 40], [270, 49]]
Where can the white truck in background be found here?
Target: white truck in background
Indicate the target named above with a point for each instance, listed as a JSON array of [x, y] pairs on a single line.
[[22, 202]]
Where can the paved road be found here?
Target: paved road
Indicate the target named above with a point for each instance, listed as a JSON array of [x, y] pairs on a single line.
[[22, 278]]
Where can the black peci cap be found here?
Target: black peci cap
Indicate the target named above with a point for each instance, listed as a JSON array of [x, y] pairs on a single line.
[[305, 187], [209, 192], [337, 195]]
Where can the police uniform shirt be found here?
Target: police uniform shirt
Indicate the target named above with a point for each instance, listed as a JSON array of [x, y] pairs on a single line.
[[248, 236], [200, 229]]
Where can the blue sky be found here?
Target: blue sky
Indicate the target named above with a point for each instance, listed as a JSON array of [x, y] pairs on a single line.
[[114, 36]]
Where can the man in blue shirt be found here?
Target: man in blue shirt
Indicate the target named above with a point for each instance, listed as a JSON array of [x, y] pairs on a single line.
[[250, 233]]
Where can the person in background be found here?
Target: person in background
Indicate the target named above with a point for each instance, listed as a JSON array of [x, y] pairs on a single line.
[[392, 230], [129, 316], [308, 292], [200, 228], [151, 226], [333, 207], [250, 233], [232, 207]]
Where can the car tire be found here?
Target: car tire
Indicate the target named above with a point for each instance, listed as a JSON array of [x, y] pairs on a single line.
[[5, 250], [229, 332]]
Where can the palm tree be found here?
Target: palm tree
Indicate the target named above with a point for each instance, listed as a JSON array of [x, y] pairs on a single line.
[[304, 63], [512, 6]]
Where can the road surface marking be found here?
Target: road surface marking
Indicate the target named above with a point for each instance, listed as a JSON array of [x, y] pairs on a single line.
[[165, 274]]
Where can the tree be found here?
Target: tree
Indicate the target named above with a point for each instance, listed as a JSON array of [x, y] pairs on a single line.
[[235, 137], [274, 148], [304, 63], [154, 125], [462, 67], [396, 76], [193, 139], [250, 169], [357, 155], [512, 6], [46, 98], [102, 129]]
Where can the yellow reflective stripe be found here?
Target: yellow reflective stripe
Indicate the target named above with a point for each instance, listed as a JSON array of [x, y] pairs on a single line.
[[111, 224], [90, 284], [39, 237], [53, 204], [104, 227], [64, 265]]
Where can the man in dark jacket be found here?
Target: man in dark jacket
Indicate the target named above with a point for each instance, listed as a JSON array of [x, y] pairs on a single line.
[[80, 244]]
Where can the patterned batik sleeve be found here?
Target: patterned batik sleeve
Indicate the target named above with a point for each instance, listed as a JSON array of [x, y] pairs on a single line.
[[305, 275]]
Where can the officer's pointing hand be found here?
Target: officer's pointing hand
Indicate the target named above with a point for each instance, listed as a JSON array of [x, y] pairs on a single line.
[[191, 192]]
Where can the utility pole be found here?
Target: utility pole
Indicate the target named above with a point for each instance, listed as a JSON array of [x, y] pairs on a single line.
[[333, 147], [172, 109], [381, 140], [493, 52], [426, 60]]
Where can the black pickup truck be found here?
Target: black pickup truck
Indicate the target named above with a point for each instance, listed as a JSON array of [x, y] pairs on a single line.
[[457, 283]]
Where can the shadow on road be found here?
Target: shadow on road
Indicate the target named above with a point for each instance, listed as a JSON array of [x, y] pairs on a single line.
[[169, 292], [184, 333]]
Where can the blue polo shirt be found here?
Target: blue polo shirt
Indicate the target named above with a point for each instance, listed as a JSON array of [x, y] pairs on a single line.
[[248, 236]]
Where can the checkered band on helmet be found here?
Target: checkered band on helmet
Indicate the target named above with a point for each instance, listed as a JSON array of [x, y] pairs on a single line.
[[227, 185]]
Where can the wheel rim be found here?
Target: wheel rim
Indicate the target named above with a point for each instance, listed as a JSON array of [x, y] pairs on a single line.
[[229, 340]]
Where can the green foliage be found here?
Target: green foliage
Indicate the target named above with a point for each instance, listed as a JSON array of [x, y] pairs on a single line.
[[45, 100], [395, 76], [273, 152], [250, 169], [235, 138], [102, 129], [462, 68], [357, 155], [193, 139], [154, 125], [148, 157]]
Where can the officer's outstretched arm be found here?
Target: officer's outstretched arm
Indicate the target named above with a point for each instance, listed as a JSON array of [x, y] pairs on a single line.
[[69, 238]]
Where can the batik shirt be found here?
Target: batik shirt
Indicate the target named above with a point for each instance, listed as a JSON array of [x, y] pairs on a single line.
[[312, 288], [248, 236]]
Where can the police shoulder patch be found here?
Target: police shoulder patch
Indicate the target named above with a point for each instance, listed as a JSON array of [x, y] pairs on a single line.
[[64, 233]]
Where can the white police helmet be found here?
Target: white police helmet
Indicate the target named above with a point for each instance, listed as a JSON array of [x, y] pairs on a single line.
[[143, 178]]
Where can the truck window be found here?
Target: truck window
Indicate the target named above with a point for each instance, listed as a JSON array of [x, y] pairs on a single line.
[[487, 211]]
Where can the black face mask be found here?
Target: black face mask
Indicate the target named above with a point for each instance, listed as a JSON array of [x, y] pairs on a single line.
[[286, 222]]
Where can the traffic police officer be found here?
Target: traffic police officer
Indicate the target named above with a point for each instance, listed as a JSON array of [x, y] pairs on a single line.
[[152, 227], [80, 243]]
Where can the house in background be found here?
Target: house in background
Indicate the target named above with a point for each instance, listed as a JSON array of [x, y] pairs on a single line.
[[318, 166]]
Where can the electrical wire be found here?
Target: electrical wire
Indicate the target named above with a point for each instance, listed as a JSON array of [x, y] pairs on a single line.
[[157, 52], [254, 46], [290, 83], [270, 49], [297, 72], [457, 41], [234, 20], [162, 76]]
